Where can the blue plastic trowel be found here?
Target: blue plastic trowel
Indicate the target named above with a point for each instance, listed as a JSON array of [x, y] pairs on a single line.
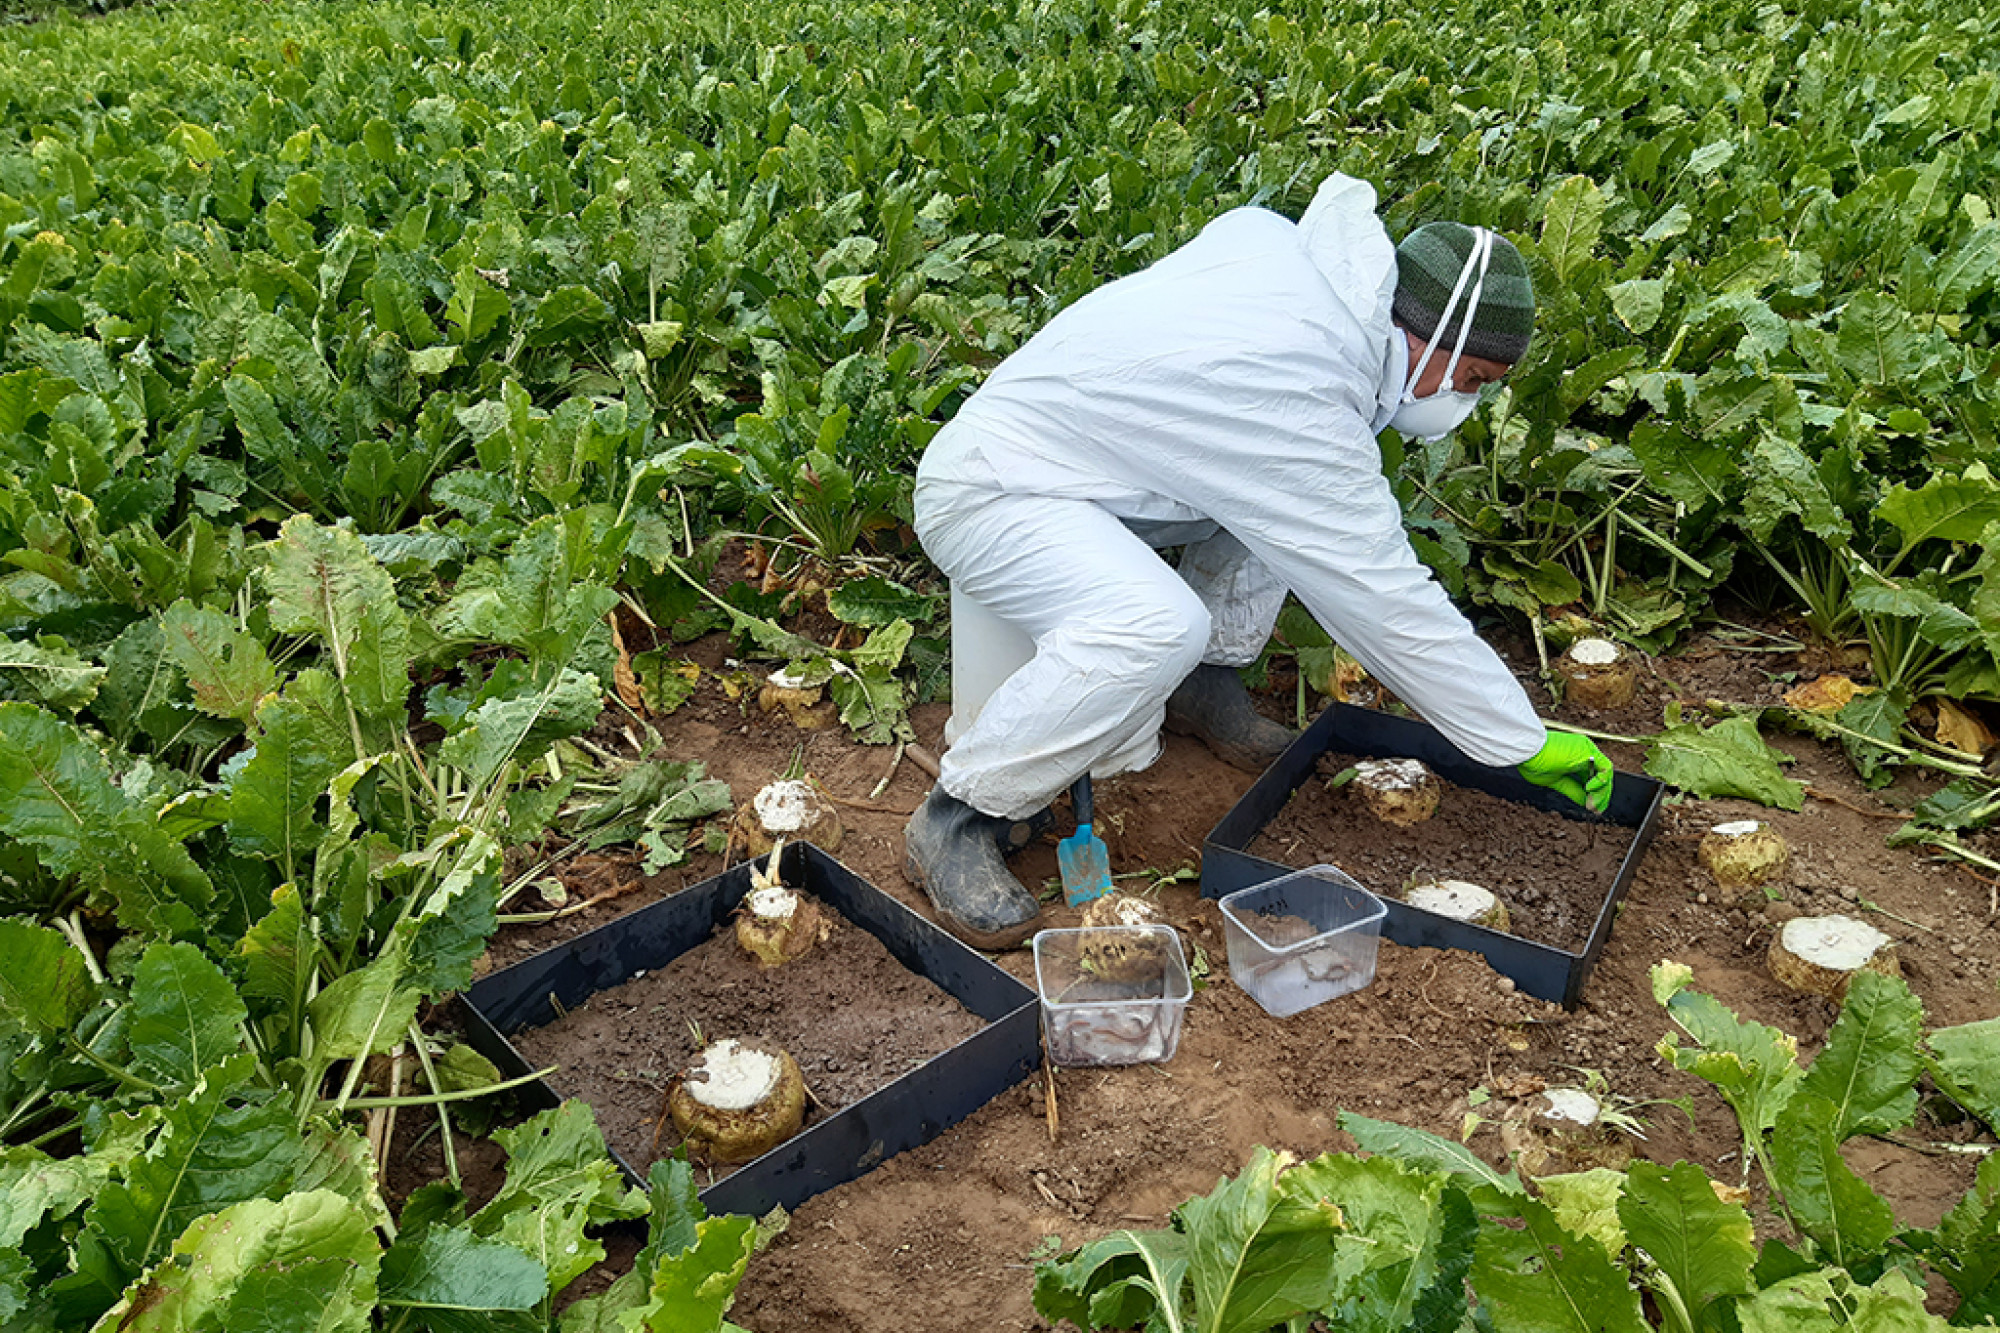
[[1082, 856]]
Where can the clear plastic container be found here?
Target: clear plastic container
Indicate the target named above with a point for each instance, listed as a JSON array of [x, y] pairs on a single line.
[[1114, 995], [1303, 939]]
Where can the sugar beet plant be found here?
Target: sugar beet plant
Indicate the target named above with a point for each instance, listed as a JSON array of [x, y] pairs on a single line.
[[1423, 1234]]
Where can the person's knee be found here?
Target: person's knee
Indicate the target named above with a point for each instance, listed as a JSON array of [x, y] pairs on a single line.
[[1163, 638]]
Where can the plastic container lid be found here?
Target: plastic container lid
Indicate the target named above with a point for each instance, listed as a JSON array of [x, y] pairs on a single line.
[[1303, 939], [1112, 995]]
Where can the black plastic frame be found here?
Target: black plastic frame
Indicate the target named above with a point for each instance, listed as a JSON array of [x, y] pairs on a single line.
[[904, 1114], [1541, 970]]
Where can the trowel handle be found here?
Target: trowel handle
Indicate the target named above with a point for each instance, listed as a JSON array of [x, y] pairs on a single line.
[[1079, 797]]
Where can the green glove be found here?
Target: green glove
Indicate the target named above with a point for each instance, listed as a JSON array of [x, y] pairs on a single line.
[[1575, 767]]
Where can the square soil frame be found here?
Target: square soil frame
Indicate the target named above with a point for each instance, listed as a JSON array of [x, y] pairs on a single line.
[[1540, 970], [906, 1113]]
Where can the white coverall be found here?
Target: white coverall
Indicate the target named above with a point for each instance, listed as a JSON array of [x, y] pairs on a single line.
[[1225, 399]]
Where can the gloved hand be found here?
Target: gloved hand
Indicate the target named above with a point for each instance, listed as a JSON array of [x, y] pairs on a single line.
[[1575, 767]]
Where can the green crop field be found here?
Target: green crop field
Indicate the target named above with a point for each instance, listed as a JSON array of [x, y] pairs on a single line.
[[362, 366]]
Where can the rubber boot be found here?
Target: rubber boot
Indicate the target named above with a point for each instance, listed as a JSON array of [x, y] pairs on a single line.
[[952, 852], [1212, 705], [1017, 834]]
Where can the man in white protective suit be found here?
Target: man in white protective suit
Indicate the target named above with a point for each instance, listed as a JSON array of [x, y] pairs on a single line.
[[1226, 401]]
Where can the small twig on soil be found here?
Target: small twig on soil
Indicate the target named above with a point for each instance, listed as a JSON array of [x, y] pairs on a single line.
[[1047, 1193], [1992, 890], [1831, 799], [895, 762], [923, 759], [869, 806], [540, 918], [1940, 1149], [1049, 1093], [1868, 906]]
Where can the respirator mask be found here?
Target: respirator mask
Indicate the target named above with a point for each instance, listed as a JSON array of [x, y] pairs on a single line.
[[1439, 414]]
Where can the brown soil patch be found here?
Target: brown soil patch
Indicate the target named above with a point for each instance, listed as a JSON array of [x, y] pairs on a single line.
[[1553, 873], [943, 1237], [853, 1017]]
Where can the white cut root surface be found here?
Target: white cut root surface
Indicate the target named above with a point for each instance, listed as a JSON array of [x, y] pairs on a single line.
[[1818, 955], [1571, 1106], [1392, 774], [786, 806], [1736, 828], [774, 904], [1594, 652], [730, 1076]]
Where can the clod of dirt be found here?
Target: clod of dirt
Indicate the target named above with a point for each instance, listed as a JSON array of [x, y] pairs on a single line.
[[1818, 955], [738, 1101], [1563, 1129], [1114, 951], [776, 925], [1461, 901], [789, 809], [797, 697], [1397, 791], [1745, 854], [1597, 675]]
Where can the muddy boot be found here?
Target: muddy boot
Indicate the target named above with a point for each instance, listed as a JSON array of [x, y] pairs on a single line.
[[952, 852], [1212, 705], [1016, 834]]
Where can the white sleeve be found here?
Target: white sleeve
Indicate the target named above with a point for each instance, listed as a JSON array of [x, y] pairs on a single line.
[[1311, 501]]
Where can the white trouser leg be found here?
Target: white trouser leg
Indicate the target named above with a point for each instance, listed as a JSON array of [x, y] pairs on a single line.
[[1242, 595], [1115, 630]]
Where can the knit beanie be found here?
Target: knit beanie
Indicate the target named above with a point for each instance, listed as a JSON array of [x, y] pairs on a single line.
[[1428, 263]]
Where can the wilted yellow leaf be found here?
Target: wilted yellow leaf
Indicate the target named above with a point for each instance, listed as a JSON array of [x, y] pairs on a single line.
[[1826, 694], [1963, 732]]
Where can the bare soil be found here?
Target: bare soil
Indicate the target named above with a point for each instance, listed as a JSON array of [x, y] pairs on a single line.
[[1553, 873], [853, 1017], [944, 1237]]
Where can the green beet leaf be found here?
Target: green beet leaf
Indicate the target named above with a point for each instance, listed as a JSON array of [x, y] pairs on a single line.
[[452, 1281], [1542, 1279], [1944, 508], [1727, 759], [560, 1182], [300, 744], [1586, 1203], [1868, 1069], [875, 601], [227, 670], [1491, 1190], [49, 673], [1754, 1067], [1833, 1205], [185, 1016], [1702, 1247], [308, 1260], [1965, 1063], [213, 1150], [364, 1012], [322, 582], [44, 984], [1400, 1238], [1257, 1256], [520, 727], [57, 796]]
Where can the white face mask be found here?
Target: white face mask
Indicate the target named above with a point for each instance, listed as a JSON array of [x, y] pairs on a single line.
[[1440, 413]]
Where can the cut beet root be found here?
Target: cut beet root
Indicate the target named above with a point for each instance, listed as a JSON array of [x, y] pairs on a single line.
[[1563, 1129], [1597, 675], [1818, 955], [738, 1101], [795, 696], [789, 810], [1121, 956], [776, 925], [1397, 791], [1745, 854]]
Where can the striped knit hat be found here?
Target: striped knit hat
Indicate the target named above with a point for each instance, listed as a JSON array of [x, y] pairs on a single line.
[[1428, 263]]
